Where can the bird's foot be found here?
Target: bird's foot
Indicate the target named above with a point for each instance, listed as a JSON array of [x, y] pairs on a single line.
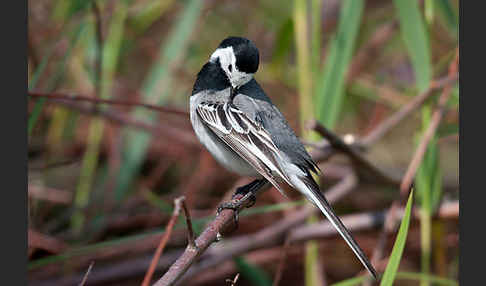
[[232, 205], [242, 194]]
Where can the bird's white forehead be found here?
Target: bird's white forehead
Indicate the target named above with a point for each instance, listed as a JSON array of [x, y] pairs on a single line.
[[226, 56]]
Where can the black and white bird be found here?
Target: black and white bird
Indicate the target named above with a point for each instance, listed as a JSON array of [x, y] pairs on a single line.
[[238, 124]]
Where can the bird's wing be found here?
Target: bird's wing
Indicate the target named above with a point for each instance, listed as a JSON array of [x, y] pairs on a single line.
[[247, 138]]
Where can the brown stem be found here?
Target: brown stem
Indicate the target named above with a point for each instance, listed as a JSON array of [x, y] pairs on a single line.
[[163, 241], [85, 277], [337, 143], [37, 94], [262, 238], [190, 231], [281, 264], [167, 131]]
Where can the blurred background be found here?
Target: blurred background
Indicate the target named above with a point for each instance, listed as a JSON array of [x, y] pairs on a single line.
[[102, 178]]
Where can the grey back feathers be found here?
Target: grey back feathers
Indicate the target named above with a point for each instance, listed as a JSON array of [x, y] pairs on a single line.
[[252, 100]]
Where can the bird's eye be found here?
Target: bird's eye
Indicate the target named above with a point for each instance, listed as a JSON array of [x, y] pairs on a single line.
[[230, 68]]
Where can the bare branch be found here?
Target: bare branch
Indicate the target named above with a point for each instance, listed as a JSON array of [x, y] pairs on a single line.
[[340, 145], [413, 105], [93, 99], [163, 241], [85, 278], [264, 237], [190, 231], [167, 131], [281, 264]]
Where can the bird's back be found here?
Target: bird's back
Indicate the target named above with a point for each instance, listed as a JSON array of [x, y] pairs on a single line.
[[259, 107]]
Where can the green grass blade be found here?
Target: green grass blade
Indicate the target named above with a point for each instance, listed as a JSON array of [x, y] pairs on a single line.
[[283, 45], [449, 15], [429, 11], [148, 13], [429, 191], [304, 72], [110, 52], [155, 90], [416, 40], [330, 90], [253, 273], [402, 276], [398, 247], [316, 8]]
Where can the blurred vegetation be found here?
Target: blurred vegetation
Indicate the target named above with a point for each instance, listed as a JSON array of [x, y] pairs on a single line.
[[349, 64]]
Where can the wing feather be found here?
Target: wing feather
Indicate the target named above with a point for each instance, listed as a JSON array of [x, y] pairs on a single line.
[[247, 138]]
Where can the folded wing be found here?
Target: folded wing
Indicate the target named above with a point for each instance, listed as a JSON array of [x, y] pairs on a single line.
[[247, 138]]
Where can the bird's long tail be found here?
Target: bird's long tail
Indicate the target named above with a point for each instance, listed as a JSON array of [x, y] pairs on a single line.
[[307, 186]]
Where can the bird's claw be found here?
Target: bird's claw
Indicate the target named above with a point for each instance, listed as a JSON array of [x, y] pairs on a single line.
[[232, 205]]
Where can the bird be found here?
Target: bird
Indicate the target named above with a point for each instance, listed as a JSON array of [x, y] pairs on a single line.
[[247, 134]]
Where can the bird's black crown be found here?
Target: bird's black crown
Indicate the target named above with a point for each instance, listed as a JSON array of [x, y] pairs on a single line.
[[246, 53]]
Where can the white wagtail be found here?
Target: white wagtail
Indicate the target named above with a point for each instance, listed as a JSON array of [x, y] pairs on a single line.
[[238, 124]]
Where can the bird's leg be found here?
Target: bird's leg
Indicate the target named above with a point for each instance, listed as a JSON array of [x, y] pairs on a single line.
[[249, 191]]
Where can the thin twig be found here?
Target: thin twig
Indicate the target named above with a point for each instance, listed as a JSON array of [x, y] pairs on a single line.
[[167, 131], [45, 242], [413, 105], [164, 109], [337, 143], [221, 224], [163, 241], [281, 263], [190, 231], [50, 194], [233, 282], [85, 278]]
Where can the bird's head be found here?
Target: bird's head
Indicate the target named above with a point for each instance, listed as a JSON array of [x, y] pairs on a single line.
[[238, 58]]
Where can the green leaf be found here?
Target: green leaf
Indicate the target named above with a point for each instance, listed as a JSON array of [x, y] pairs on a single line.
[[330, 90], [255, 274], [416, 40], [397, 251]]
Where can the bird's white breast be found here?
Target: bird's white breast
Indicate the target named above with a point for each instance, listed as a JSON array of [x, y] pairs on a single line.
[[220, 151]]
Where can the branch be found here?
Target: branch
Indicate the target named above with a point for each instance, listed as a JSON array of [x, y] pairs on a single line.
[[169, 132], [92, 99], [337, 143], [388, 124], [260, 239], [85, 278], [163, 241], [211, 234]]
